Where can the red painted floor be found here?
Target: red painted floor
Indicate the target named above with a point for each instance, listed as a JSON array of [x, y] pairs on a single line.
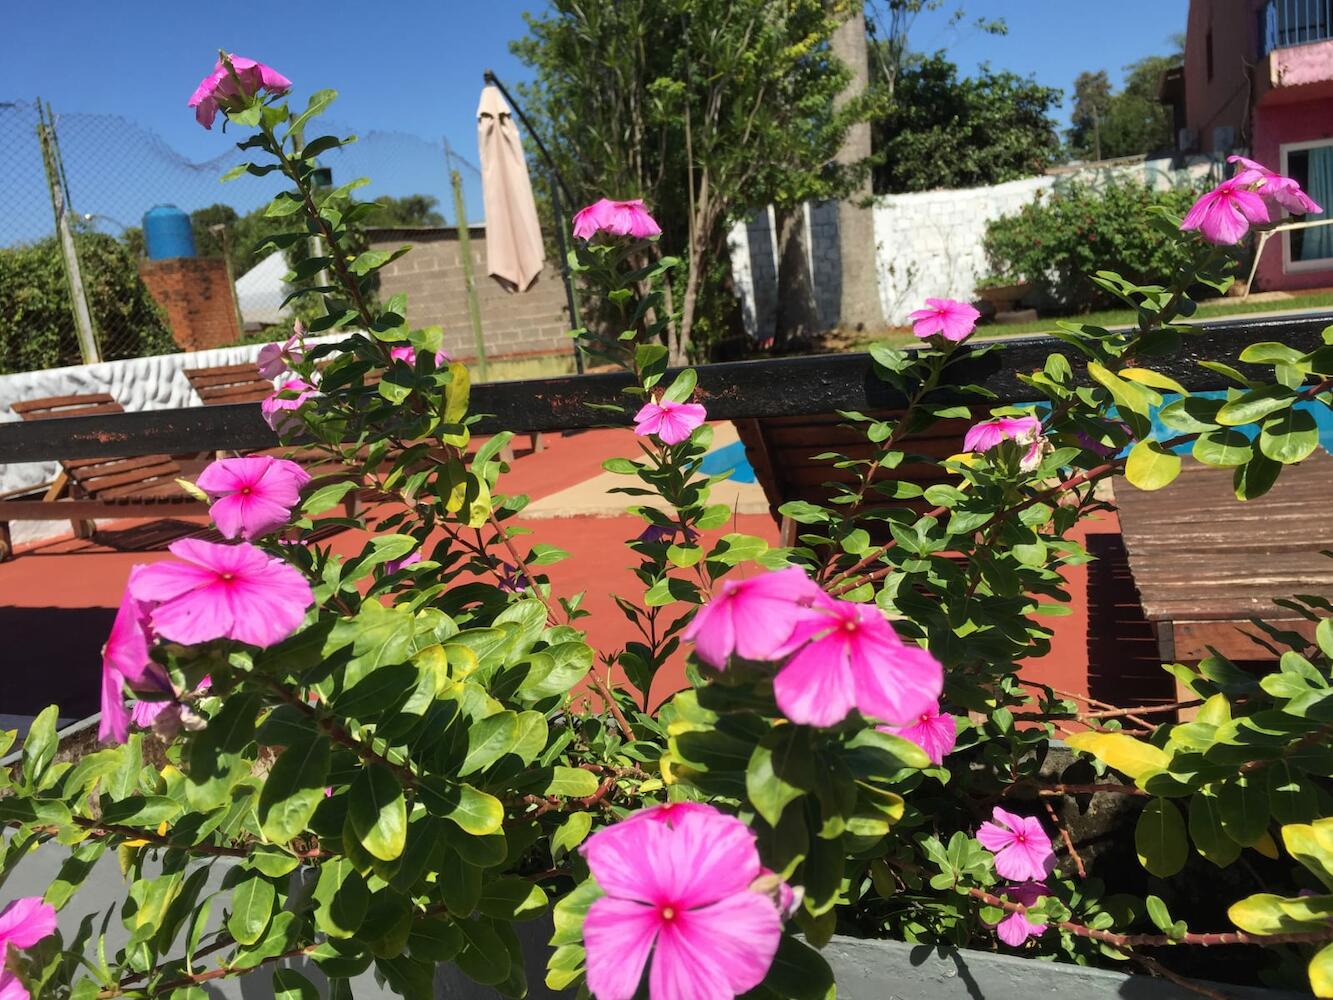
[[57, 599]]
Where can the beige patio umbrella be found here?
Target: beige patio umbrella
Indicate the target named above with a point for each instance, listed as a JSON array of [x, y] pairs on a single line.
[[514, 249]]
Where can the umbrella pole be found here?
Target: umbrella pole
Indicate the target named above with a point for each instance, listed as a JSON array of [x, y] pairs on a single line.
[[570, 300], [469, 282]]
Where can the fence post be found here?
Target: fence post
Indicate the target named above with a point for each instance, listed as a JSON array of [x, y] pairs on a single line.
[[83, 319], [89, 349], [470, 284]]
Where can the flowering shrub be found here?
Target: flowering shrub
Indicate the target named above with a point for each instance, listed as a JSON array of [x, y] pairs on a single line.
[[387, 754]]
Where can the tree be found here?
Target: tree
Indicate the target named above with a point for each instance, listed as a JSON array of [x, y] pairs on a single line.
[[1106, 125], [410, 210], [943, 132], [704, 109]]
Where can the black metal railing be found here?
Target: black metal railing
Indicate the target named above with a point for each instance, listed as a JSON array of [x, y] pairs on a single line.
[[768, 388], [1296, 22]]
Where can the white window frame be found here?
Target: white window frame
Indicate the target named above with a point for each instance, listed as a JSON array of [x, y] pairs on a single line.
[[1297, 266]]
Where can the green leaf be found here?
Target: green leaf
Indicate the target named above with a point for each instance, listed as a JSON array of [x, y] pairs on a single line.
[[560, 781], [1291, 798], [319, 100], [488, 740], [1223, 448], [683, 387], [327, 497], [341, 898], [1320, 972], [1256, 477], [288, 984], [1122, 752], [294, 789], [39, 746], [781, 770], [378, 812], [473, 811], [732, 549], [1159, 838], [512, 898], [1256, 404], [434, 940], [1150, 466], [1289, 437], [569, 834], [251, 909], [799, 972], [213, 757], [484, 957], [1205, 825], [1243, 803]]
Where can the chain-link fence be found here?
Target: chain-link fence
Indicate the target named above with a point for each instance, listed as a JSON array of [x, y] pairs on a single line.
[[112, 245]]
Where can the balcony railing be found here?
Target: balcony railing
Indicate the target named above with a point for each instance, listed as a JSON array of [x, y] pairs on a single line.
[[1296, 22]]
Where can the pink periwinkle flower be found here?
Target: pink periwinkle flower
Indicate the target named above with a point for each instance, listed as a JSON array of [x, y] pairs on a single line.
[[223, 591], [411, 559], [1016, 928], [948, 318], [169, 712], [933, 731], [511, 580], [656, 533], [23, 923], [1275, 188], [408, 355], [679, 891], [671, 813], [752, 618], [279, 409], [848, 656], [124, 660], [252, 495], [278, 358], [1021, 847], [1224, 215], [672, 422], [1025, 431], [617, 218], [220, 88]]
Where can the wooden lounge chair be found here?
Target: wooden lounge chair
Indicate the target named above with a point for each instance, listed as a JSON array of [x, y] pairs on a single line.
[[1206, 564], [88, 488]]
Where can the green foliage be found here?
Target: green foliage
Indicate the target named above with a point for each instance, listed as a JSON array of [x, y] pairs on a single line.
[[1107, 125], [942, 132], [1059, 239], [36, 318]]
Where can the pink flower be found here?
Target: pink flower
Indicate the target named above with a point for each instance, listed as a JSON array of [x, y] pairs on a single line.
[[252, 495], [223, 591], [1025, 431], [1224, 214], [848, 656], [656, 533], [219, 89], [752, 618], [279, 409], [411, 559], [1022, 849], [681, 892], [1016, 928], [1274, 188], [276, 359], [23, 923], [408, 355], [124, 658], [165, 716], [933, 731], [951, 319], [672, 422], [618, 218], [671, 813]]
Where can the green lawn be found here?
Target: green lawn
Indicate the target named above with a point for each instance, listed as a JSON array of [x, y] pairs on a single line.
[[1125, 317]]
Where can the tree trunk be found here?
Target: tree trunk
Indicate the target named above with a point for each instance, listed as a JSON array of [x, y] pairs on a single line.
[[678, 352], [860, 303], [797, 315]]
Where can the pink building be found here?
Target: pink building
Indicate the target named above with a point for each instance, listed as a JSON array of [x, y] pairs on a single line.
[[1258, 76]]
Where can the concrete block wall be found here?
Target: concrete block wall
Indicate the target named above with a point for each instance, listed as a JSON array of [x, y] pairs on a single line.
[[431, 275]]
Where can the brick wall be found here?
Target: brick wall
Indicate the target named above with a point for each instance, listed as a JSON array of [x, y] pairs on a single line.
[[531, 322], [196, 294]]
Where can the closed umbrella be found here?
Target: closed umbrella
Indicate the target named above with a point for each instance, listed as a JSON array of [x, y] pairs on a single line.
[[514, 250]]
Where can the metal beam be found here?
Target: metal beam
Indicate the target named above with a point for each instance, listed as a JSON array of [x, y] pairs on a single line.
[[766, 388]]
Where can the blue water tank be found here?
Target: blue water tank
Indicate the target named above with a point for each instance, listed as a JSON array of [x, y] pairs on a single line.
[[167, 233]]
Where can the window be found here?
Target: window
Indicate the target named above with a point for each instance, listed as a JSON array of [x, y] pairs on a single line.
[[1310, 164]]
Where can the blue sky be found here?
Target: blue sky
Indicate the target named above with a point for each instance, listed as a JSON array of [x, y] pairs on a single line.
[[414, 73]]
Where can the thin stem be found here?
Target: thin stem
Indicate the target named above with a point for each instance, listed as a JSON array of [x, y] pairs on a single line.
[[609, 698]]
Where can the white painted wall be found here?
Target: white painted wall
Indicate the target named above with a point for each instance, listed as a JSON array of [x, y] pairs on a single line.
[[156, 383], [927, 243]]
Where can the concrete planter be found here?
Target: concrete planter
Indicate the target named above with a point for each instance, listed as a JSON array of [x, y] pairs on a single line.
[[865, 970]]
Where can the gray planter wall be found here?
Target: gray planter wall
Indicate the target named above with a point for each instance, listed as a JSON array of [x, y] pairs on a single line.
[[865, 970]]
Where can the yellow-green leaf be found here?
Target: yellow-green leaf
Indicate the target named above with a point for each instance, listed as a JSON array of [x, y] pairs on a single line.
[[1150, 466], [1126, 754]]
